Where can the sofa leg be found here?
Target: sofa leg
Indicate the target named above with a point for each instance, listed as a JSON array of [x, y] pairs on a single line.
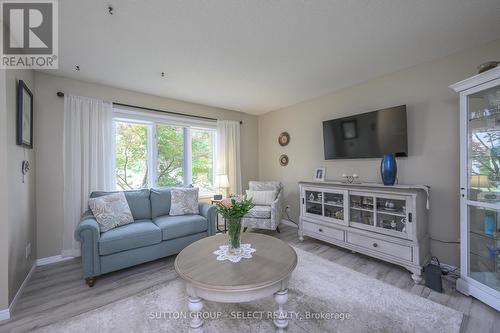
[[278, 230], [90, 281], [245, 229]]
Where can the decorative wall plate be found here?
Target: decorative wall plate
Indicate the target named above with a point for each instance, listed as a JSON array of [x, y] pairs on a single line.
[[284, 160], [284, 139]]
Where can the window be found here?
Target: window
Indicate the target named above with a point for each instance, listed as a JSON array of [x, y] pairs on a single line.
[[202, 148], [131, 155], [158, 151], [170, 161]]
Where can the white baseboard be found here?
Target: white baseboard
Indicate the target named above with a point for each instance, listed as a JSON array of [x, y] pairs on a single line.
[[21, 288], [4, 314], [51, 260]]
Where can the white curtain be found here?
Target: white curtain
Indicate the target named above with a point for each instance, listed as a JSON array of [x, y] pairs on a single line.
[[87, 159], [228, 153]]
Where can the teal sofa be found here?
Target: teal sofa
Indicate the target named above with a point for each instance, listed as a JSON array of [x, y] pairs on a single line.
[[153, 234]]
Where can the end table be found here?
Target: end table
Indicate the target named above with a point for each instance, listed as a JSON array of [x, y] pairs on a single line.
[[214, 201]]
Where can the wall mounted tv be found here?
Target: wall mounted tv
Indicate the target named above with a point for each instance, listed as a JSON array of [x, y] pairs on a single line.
[[367, 135]]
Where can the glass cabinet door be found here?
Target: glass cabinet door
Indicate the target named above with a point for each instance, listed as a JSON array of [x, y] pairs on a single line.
[[392, 215], [361, 209], [484, 246], [483, 186], [334, 206], [313, 202]]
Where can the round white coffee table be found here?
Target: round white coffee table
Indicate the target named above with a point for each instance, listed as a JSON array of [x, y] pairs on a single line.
[[265, 274]]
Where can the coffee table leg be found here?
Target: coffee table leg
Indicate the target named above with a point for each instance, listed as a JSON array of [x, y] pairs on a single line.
[[195, 305], [280, 316]]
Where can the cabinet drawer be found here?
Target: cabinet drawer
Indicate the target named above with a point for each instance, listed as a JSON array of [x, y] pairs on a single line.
[[395, 250], [322, 230]]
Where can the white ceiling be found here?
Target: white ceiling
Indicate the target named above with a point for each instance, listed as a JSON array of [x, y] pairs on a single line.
[[260, 55]]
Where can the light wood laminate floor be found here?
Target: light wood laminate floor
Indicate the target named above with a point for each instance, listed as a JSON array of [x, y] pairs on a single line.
[[58, 291]]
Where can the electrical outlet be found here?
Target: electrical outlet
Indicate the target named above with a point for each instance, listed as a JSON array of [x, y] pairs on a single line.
[[28, 250]]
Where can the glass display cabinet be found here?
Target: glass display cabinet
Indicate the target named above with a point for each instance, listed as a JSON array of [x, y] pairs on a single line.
[[386, 222], [480, 186]]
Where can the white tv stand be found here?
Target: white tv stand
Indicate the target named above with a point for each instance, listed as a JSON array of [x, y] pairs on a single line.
[[386, 222]]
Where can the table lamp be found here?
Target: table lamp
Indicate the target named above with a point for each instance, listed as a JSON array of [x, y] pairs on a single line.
[[221, 183]]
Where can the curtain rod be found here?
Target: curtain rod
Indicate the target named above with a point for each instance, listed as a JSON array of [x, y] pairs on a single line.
[[61, 94]]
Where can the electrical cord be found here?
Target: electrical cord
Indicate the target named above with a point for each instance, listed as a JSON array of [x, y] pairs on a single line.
[[442, 241], [446, 271], [288, 216]]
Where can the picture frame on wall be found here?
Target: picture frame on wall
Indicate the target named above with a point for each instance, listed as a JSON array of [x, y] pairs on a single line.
[[319, 174], [24, 115]]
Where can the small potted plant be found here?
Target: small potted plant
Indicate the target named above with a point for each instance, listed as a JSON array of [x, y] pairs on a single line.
[[233, 209]]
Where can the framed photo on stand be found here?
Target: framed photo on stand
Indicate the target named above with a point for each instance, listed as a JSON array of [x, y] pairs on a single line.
[[319, 174]]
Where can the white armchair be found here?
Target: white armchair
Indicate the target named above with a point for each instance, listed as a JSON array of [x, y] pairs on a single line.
[[265, 217]]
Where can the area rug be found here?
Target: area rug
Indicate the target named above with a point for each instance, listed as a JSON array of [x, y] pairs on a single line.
[[323, 297]]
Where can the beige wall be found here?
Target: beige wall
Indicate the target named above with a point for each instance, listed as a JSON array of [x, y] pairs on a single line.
[[48, 134], [433, 134], [4, 228], [21, 196]]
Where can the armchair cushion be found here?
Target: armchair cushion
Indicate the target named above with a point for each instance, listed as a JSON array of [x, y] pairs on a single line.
[[258, 218], [264, 185], [138, 234], [262, 197], [259, 212]]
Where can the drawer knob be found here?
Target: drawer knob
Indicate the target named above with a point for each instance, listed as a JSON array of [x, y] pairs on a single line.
[[320, 230], [375, 244]]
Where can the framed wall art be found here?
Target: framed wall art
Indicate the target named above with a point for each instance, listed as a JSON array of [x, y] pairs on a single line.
[[24, 115]]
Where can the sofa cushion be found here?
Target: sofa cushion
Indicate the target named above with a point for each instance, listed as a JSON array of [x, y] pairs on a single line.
[[138, 234], [138, 201], [183, 225], [259, 212], [111, 211], [160, 201], [184, 201]]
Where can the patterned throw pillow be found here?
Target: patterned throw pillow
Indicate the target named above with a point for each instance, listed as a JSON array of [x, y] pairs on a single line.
[[264, 198], [111, 211], [184, 201]]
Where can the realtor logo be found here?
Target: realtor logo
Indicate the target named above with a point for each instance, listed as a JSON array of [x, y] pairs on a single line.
[[29, 37]]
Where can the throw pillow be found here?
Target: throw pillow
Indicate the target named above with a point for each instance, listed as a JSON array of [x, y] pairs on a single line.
[[264, 198], [184, 201], [111, 211]]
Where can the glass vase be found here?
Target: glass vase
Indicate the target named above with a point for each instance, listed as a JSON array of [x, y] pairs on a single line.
[[234, 236]]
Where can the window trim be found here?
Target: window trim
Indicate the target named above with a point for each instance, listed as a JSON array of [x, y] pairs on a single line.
[[152, 120]]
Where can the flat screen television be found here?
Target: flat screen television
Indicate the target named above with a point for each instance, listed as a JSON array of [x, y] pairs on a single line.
[[367, 135]]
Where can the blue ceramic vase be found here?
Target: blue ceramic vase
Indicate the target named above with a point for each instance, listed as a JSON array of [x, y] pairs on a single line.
[[388, 169]]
